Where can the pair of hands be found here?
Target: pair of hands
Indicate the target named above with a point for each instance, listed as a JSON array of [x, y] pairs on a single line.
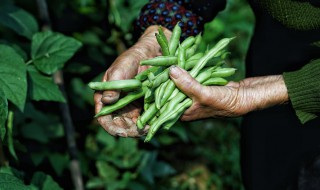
[[233, 100]]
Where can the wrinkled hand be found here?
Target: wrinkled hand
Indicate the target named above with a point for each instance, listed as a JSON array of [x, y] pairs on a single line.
[[233, 100], [126, 66]]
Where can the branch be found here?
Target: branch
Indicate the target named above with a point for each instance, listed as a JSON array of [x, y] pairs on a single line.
[[64, 108]]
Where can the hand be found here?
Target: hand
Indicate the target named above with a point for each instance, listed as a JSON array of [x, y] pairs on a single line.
[[233, 100], [126, 66]]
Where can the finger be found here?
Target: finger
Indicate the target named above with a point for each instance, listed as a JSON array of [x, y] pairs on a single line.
[[111, 96], [188, 85], [111, 127], [97, 102]]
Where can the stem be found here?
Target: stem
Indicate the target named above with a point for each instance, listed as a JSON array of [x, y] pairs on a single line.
[[29, 62], [64, 108]]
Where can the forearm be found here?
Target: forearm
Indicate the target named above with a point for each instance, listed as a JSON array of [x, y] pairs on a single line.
[[258, 93]]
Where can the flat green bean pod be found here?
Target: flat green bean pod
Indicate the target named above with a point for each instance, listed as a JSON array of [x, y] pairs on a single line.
[[160, 61], [144, 74], [215, 81], [122, 102], [162, 41], [175, 39], [125, 85]]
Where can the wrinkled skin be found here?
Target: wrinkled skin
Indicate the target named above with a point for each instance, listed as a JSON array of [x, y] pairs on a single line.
[[233, 100], [126, 66]]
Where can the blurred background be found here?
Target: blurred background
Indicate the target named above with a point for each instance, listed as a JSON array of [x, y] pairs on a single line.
[[41, 139]]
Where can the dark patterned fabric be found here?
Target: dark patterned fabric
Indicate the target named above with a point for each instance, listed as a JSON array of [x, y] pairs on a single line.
[[191, 15], [168, 14]]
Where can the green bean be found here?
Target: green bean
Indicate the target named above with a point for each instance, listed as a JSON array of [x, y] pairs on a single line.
[[149, 95], [163, 44], [223, 72], [146, 105], [168, 91], [144, 74], [163, 36], [125, 85], [152, 120], [174, 93], [151, 76], [181, 57], [196, 56], [211, 53], [191, 63], [191, 51], [168, 124], [122, 102], [162, 109], [159, 79], [161, 92], [215, 81], [193, 60], [165, 117], [160, 61], [188, 42], [147, 115], [175, 39]]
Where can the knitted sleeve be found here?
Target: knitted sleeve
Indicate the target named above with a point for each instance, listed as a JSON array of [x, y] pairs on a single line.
[[304, 90], [191, 15]]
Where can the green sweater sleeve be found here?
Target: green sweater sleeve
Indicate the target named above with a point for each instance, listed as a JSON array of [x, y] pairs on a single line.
[[304, 90]]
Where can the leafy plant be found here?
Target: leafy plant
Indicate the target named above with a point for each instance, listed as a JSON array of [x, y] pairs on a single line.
[[23, 82], [193, 155]]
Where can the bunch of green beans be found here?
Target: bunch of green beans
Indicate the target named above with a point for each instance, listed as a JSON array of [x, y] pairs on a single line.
[[163, 102]]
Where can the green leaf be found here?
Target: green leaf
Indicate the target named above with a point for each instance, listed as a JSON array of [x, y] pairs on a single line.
[[37, 158], [44, 182], [106, 171], [161, 169], [43, 88], [59, 162], [12, 171], [50, 51], [95, 183], [13, 78], [42, 132], [108, 141], [10, 182], [39, 126], [22, 22], [16, 48], [3, 113]]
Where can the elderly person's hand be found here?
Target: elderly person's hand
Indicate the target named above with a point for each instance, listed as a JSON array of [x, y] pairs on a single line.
[[233, 100], [126, 66]]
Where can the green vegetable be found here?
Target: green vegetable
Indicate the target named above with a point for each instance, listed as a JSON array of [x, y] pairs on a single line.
[[163, 42], [175, 39], [122, 102], [163, 102], [125, 85], [160, 61]]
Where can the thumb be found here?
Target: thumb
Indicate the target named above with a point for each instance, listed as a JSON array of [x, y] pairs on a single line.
[[183, 80]]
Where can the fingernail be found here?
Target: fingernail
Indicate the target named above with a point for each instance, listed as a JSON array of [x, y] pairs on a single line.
[[107, 95], [175, 72]]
